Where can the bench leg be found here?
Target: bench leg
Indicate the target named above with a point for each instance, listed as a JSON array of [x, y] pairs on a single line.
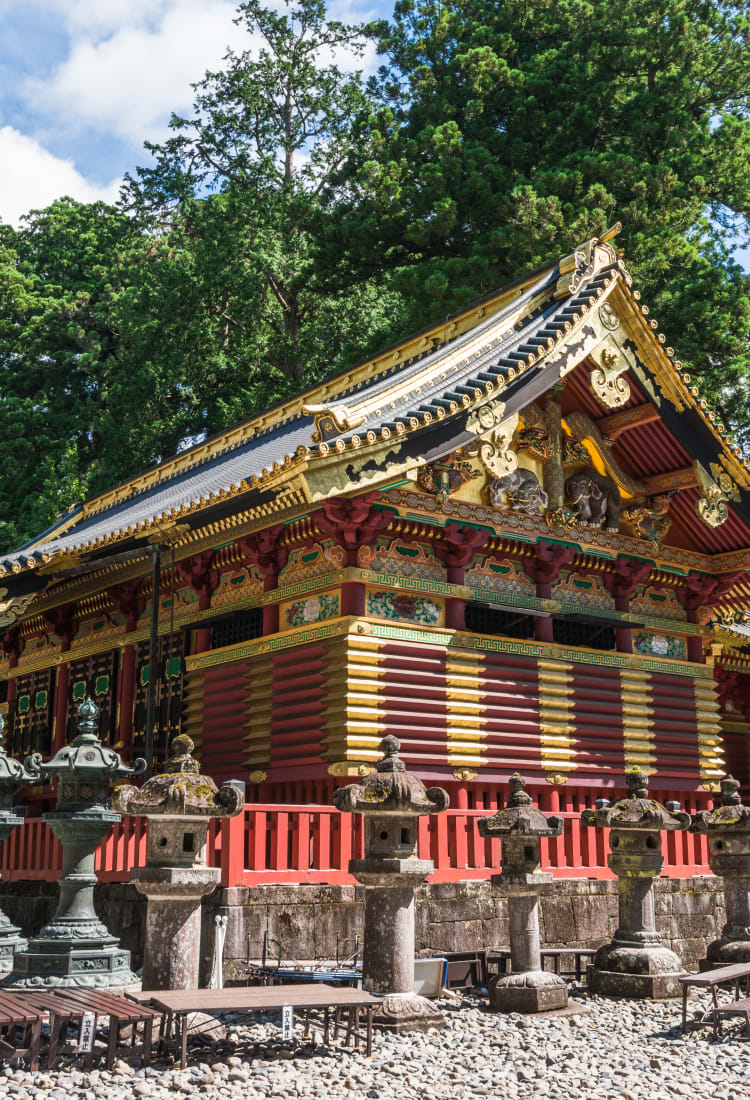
[[113, 1041], [148, 1034], [370, 1014], [326, 1025], [183, 1040], [55, 1023], [35, 1039]]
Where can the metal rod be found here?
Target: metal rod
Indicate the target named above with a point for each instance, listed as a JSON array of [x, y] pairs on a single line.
[[153, 658]]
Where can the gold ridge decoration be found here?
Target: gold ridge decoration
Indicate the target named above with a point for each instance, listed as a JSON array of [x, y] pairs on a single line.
[[332, 420], [607, 385], [716, 490], [495, 451], [587, 259], [11, 610]]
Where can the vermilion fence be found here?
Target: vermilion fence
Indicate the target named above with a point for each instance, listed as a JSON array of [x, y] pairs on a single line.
[[273, 843]]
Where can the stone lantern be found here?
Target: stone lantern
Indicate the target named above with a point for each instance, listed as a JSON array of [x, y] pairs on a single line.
[[178, 803], [520, 825], [728, 829], [392, 802], [636, 963], [13, 776], [75, 948]]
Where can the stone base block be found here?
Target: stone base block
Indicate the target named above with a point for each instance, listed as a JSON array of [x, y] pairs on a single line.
[[11, 941], [725, 953], [402, 1012], [616, 983], [532, 991], [44, 965]]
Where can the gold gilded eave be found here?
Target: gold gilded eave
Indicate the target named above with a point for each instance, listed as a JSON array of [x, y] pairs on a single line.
[[672, 382], [329, 392]]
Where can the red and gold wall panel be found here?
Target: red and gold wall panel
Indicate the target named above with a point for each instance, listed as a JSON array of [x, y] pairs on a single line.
[[298, 713], [598, 720], [415, 704]]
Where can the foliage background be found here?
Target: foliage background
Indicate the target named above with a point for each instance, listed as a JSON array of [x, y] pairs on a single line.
[[301, 217]]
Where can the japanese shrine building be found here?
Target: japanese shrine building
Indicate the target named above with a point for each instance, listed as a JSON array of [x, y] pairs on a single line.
[[517, 540]]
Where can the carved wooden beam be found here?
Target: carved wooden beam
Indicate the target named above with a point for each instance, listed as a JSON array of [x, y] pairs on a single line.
[[673, 479], [619, 422]]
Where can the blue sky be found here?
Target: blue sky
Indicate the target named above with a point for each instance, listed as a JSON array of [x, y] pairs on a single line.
[[84, 82]]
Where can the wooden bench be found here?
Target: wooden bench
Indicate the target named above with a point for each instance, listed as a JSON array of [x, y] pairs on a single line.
[[712, 979], [20, 1029], [68, 1005], [740, 1007], [177, 1005]]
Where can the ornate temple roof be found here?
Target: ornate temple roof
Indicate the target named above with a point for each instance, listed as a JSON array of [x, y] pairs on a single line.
[[412, 404]]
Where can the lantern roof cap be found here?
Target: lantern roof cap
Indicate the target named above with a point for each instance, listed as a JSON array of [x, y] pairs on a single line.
[[180, 790], [85, 755], [728, 815], [390, 789], [637, 810], [13, 774], [519, 817]]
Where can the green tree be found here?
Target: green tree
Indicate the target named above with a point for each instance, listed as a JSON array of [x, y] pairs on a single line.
[[62, 276], [241, 192], [511, 129]]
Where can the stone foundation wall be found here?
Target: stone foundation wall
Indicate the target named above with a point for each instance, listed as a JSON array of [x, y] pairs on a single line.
[[457, 916]]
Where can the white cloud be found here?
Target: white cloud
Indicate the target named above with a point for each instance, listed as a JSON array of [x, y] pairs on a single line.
[[32, 178], [129, 81], [128, 64], [131, 62]]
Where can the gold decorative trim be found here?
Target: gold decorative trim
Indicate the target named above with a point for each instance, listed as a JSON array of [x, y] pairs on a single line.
[[354, 713], [717, 488], [606, 382], [465, 775], [350, 768], [711, 764], [638, 720], [466, 710], [259, 679], [442, 636], [257, 777], [193, 705], [556, 715]]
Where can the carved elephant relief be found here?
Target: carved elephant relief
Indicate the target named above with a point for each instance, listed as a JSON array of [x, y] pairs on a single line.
[[519, 491], [594, 498]]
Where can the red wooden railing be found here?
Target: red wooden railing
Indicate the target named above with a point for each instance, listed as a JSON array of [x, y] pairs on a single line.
[[274, 843]]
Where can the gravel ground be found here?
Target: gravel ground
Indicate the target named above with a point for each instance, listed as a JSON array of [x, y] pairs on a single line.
[[628, 1050]]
